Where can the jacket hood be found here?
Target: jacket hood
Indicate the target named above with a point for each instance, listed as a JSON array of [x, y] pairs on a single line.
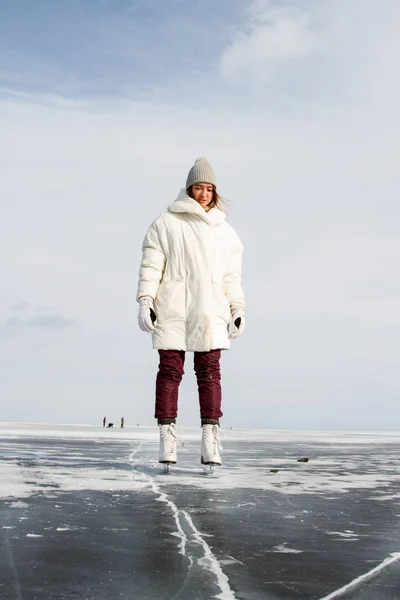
[[186, 204]]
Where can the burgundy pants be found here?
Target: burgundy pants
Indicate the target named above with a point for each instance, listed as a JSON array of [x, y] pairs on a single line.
[[169, 376]]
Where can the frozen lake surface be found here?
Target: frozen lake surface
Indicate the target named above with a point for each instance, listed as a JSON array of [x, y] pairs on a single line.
[[86, 513]]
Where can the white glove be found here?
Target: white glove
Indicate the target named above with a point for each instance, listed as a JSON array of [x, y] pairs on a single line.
[[147, 316], [238, 326]]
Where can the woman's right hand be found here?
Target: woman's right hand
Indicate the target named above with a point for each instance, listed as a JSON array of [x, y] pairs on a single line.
[[147, 316]]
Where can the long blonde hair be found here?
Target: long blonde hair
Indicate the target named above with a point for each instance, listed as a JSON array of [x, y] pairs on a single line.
[[217, 200]]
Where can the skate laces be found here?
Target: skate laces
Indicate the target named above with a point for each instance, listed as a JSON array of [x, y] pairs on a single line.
[[212, 435], [170, 436]]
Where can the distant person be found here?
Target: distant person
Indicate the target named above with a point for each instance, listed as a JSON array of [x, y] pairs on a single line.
[[191, 300], [104, 421], [122, 422]]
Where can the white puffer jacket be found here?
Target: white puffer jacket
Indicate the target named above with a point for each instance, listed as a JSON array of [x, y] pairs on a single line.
[[191, 267]]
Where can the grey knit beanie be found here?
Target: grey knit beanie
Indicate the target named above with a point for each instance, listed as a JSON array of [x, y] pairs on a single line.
[[201, 171]]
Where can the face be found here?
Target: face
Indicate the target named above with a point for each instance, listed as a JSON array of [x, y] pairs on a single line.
[[203, 193]]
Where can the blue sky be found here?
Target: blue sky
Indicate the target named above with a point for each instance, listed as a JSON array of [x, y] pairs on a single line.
[[104, 107], [159, 51], [100, 47]]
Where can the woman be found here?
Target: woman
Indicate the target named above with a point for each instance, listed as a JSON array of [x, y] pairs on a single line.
[[189, 292]]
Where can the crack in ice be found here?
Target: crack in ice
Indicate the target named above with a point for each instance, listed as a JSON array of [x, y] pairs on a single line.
[[211, 562], [139, 447], [162, 497], [393, 557]]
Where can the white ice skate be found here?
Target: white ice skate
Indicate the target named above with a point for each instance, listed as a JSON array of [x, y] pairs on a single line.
[[210, 446], [169, 440]]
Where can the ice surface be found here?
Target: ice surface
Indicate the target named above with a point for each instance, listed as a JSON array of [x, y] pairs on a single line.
[[94, 515]]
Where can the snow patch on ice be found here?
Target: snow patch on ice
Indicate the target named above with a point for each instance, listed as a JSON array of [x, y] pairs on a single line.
[[344, 534], [385, 497], [230, 561], [19, 504], [283, 549], [52, 471]]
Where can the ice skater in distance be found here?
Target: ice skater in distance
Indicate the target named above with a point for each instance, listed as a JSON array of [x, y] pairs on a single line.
[[191, 299]]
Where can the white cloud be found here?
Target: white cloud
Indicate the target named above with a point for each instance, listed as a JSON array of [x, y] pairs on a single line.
[[274, 37], [320, 56]]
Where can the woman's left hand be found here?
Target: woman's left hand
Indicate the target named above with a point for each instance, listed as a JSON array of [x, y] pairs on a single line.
[[239, 323]]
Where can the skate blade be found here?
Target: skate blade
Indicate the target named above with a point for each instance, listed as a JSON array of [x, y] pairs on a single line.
[[167, 468], [209, 468]]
